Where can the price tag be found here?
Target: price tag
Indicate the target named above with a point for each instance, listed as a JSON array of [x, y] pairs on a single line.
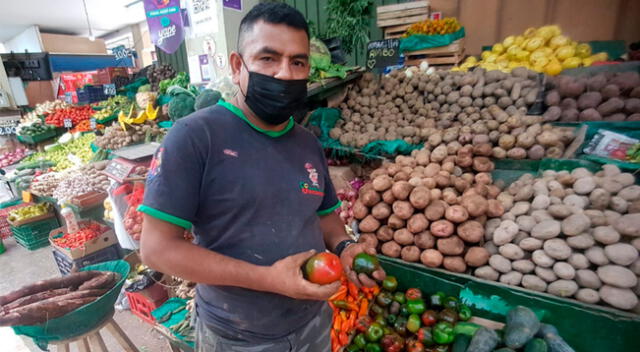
[[92, 123], [27, 197], [383, 53], [109, 89], [7, 130], [67, 123], [68, 97]]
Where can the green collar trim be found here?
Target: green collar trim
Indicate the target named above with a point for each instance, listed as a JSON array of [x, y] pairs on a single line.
[[328, 211], [234, 109], [158, 214]]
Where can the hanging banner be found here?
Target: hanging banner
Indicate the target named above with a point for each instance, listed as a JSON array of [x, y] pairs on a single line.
[[165, 24]]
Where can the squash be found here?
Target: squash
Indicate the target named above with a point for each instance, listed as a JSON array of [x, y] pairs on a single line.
[[461, 343], [522, 325], [484, 340], [536, 345]]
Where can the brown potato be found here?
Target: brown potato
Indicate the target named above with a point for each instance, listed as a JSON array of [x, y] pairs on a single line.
[[451, 245], [450, 196], [431, 258], [384, 233], [483, 178], [420, 197], [476, 205], [369, 224], [424, 240], [460, 184], [369, 240], [410, 254], [382, 183], [401, 176], [381, 211], [401, 190], [456, 214], [455, 264], [493, 191], [403, 237], [441, 228], [417, 223], [369, 198], [435, 194], [477, 256], [395, 222], [494, 208], [402, 209], [391, 249], [471, 231], [442, 180], [388, 197], [360, 211], [482, 164], [435, 210]]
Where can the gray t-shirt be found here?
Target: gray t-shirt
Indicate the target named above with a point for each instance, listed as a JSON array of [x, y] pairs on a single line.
[[250, 194]]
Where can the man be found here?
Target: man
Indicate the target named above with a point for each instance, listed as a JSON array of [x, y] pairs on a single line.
[[256, 189]]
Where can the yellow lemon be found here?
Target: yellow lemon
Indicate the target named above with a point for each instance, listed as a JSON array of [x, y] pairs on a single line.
[[565, 52], [497, 48], [485, 54], [522, 55], [535, 43], [583, 50], [471, 59], [539, 61], [555, 29], [600, 57], [587, 61], [512, 52], [508, 41], [553, 68], [571, 62], [545, 32], [558, 41], [518, 41], [491, 58]]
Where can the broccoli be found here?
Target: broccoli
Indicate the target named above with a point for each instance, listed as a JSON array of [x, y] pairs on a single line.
[[181, 104], [207, 98]]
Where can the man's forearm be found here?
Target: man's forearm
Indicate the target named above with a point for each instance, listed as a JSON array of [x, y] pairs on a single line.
[[333, 231]]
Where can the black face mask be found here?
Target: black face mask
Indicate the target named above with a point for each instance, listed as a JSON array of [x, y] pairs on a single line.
[[275, 100]]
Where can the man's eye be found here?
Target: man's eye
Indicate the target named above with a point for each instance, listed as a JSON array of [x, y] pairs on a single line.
[[300, 63], [266, 59]]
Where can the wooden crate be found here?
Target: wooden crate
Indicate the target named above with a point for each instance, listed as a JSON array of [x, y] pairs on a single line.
[[451, 54], [395, 19]]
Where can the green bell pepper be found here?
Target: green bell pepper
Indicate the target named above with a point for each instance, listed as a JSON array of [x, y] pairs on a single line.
[[425, 335], [374, 332], [373, 347], [451, 302], [360, 340], [443, 333], [390, 284], [384, 299], [364, 263], [437, 299], [416, 306], [413, 323], [464, 312], [399, 297]]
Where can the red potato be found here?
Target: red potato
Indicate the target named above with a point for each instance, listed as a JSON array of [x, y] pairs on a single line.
[[384, 233], [482, 164], [456, 214], [477, 256], [420, 197], [451, 245], [431, 258], [435, 210], [471, 231], [493, 191], [369, 224], [436, 194], [402, 209], [417, 223], [441, 228], [388, 197], [401, 190], [450, 196], [410, 254], [401, 176], [391, 249], [494, 208], [461, 185], [483, 178], [476, 205], [424, 240], [431, 170], [429, 182], [369, 240], [403, 237], [442, 180], [395, 222], [455, 264]]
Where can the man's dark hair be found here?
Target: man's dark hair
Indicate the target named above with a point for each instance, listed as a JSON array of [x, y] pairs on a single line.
[[271, 12]]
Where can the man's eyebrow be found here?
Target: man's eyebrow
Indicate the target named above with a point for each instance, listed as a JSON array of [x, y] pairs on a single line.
[[271, 51]]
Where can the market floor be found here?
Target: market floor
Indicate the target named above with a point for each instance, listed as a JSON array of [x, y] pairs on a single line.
[[19, 267]]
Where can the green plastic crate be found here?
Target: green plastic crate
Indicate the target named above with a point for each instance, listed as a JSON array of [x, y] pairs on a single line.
[[37, 138], [32, 243], [585, 327], [35, 229]]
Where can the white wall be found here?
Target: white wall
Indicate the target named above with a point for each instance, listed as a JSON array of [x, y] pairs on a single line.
[[29, 40]]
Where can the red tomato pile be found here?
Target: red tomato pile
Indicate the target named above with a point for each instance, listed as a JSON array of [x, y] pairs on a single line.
[[75, 113], [133, 218], [78, 239]]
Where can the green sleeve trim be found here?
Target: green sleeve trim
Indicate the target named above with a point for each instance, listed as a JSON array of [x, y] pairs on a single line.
[[236, 111], [158, 214], [328, 211]]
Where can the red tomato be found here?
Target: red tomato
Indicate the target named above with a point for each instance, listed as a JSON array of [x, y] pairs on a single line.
[[413, 293], [619, 153], [323, 268]]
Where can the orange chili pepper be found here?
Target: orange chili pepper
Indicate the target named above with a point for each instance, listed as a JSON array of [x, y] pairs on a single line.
[[353, 290], [364, 307], [343, 338], [337, 322], [345, 326], [341, 294], [376, 290]]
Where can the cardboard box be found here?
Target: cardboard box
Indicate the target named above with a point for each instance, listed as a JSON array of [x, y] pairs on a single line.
[[341, 176], [105, 240]]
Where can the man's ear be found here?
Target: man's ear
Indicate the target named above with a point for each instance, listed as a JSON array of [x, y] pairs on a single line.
[[235, 62]]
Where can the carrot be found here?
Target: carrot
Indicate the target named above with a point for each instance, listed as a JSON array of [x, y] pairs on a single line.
[[364, 307], [341, 294]]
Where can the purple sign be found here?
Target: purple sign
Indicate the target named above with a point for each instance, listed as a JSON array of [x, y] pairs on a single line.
[[232, 4], [165, 24]]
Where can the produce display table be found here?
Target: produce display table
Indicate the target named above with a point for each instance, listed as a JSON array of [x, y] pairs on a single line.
[[321, 90], [92, 340]]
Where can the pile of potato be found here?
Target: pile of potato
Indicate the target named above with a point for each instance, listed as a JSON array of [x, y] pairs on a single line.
[[45, 184], [569, 234], [115, 137], [451, 107], [430, 207], [604, 96], [81, 181]]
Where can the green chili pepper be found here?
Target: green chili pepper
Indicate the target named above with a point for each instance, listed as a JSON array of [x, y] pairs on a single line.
[[437, 299], [416, 306], [399, 297], [443, 333], [360, 340], [449, 315], [400, 325], [465, 328], [374, 332], [413, 323], [390, 283], [425, 336], [464, 312], [451, 302], [341, 304], [392, 319], [384, 299], [373, 347]]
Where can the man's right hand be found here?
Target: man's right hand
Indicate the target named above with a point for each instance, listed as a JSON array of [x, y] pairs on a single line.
[[285, 278]]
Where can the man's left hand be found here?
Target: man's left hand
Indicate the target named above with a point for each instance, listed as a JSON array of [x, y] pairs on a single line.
[[347, 261]]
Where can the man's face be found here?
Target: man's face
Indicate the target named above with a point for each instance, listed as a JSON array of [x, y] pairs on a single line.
[[276, 50]]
